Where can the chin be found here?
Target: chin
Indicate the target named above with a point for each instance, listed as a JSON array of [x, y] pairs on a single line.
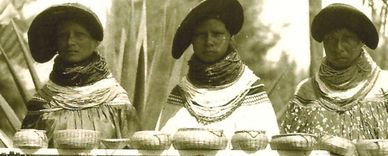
[[72, 60]]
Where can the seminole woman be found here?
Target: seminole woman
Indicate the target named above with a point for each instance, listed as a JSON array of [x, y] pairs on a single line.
[[219, 91], [347, 96], [81, 92]]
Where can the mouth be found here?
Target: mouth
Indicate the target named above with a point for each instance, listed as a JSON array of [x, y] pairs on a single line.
[[341, 59], [210, 50], [72, 51]]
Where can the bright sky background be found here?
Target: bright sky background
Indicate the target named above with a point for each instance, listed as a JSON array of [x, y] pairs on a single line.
[[295, 35]]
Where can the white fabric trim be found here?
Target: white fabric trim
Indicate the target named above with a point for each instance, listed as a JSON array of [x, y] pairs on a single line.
[[106, 90], [213, 97]]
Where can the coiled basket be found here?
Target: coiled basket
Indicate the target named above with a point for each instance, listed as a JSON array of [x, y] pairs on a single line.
[[249, 140], [199, 138], [76, 139]]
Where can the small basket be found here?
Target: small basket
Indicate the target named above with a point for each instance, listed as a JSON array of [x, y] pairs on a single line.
[[249, 140], [338, 145], [293, 141], [30, 138], [76, 139], [372, 147], [199, 138], [151, 140], [116, 143]]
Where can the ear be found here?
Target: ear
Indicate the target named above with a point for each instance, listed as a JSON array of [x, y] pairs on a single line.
[[363, 47], [96, 43], [232, 43]]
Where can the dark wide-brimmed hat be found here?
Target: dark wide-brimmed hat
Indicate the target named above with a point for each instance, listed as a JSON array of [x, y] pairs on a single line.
[[230, 12], [42, 30], [337, 16]]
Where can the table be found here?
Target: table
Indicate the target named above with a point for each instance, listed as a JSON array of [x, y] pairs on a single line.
[[53, 151]]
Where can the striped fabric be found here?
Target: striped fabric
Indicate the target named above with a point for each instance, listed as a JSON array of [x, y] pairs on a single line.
[[256, 95]]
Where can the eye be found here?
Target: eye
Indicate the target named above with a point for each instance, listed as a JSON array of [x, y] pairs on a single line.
[[219, 35], [80, 35], [330, 39]]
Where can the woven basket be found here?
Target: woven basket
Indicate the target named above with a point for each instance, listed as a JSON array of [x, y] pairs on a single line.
[[293, 141], [30, 138], [76, 139], [116, 143], [373, 147], [151, 140], [249, 140], [338, 145], [199, 138]]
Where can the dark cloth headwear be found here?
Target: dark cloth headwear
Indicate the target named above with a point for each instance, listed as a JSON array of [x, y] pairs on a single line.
[[41, 34], [230, 12], [337, 16]]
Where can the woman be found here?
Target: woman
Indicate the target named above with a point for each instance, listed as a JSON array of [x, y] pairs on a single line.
[[81, 92], [219, 91], [347, 96]]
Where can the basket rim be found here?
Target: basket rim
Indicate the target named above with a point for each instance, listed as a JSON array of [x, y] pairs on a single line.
[[25, 129], [200, 129], [115, 140], [77, 130], [335, 139], [372, 140], [150, 131], [242, 131], [31, 146], [293, 134]]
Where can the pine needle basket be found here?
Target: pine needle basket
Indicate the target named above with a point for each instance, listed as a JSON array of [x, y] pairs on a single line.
[[338, 145], [116, 143], [30, 138], [76, 139], [151, 140], [372, 147], [199, 139], [249, 140], [293, 141]]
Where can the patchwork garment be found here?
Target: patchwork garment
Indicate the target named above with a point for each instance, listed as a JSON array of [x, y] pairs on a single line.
[[351, 103], [90, 98], [241, 105]]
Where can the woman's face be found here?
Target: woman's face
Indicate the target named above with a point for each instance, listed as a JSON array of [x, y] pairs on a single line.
[[342, 48], [74, 42], [211, 40]]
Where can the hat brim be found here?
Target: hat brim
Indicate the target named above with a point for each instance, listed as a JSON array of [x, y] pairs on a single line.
[[229, 11], [42, 30], [337, 16]]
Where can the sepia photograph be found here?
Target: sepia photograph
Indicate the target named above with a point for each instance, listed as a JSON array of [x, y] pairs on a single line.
[[194, 77]]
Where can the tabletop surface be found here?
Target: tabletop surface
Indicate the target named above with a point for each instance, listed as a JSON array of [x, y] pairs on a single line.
[[53, 151]]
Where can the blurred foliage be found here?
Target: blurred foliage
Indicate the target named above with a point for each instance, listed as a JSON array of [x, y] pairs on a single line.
[[380, 55], [254, 41], [162, 20], [379, 12], [163, 71], [163, 17], [8, 89]]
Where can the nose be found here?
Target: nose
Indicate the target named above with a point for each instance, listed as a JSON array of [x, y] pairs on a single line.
[[210, 39], [340, 46], [71, 39]]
